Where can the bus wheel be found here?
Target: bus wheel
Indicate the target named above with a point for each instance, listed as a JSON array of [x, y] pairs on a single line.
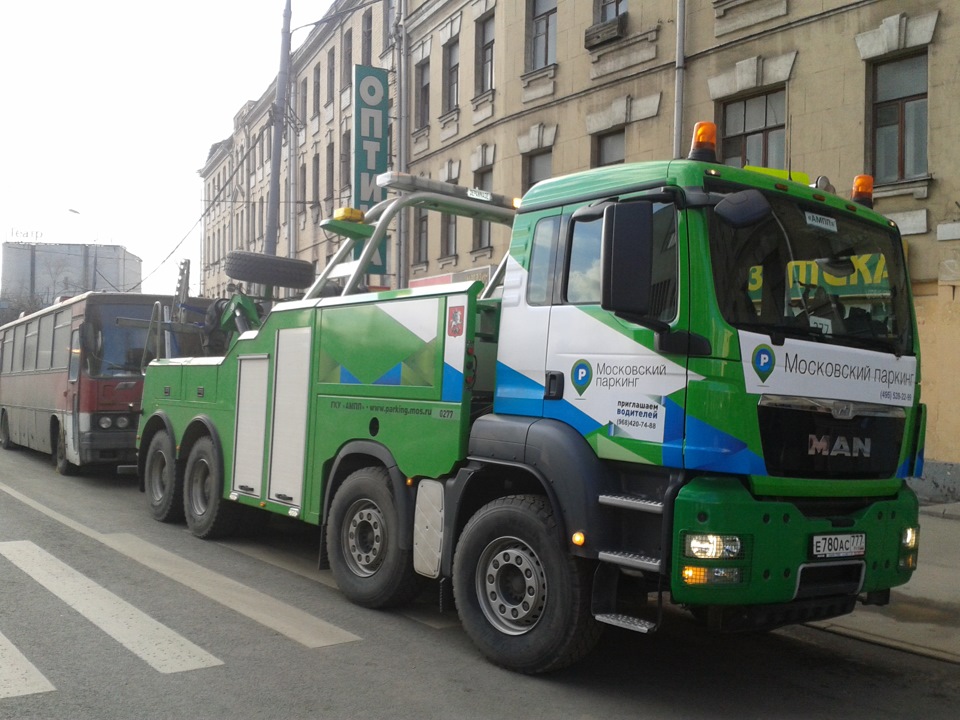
[[5, 442], [208, 513], [164, 488], [363, 543], [522, 598], [64, 466]]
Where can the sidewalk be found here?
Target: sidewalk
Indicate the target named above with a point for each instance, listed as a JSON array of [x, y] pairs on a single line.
[[923, 616]]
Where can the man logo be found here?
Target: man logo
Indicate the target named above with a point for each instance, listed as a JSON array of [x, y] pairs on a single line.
[[581, 375], [764, 361]]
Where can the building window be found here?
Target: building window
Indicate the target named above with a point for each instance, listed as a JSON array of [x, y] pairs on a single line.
[[754, 131], [303, 107], [543, 33], [900, 119], [302, 189], [331, 74], [346, 151], [316, 88], [330, 170], [421, 223], [482, 180], [448, 235], [422, 109], [609, 149], [316, 178], [389, 18], [346, 67], [536, 168], [485, 28], [451, 75], [610, 9], [366, 38]]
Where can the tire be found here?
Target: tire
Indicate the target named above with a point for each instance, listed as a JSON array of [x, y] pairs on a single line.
[[209, 515], [363, 543], [59, 455], [160, 480], [5, 442], [522, 598], [268, 269]]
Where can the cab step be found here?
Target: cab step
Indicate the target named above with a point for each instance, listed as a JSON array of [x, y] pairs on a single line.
[[629, 502], [628, 622], [630, 560]]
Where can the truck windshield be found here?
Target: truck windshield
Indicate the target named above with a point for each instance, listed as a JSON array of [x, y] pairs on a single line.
[[809, 271]]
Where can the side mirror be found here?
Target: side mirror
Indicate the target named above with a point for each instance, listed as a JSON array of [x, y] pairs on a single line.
[[744, 208], [626, 258]]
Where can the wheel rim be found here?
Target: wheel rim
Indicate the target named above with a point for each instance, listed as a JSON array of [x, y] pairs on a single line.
[[201, 490], [511, 586], [363, 538], [156, 476]]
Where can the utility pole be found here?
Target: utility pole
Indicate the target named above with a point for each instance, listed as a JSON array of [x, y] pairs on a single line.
[[279, 118]]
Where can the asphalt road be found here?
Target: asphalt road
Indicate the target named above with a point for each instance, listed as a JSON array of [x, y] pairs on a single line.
[[105, 613]]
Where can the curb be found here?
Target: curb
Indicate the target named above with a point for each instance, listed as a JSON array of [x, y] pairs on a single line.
[[948, 512]]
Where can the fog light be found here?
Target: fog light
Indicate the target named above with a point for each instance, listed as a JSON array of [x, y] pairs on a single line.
[[909, 537], [909, 562], [712, 547], [105, 422], [694, 575]]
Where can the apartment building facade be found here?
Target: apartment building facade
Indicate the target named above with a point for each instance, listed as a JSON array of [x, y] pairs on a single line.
[[498, 94]]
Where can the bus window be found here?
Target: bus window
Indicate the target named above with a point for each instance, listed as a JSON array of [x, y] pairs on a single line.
[[74, 370], [45, 343], [18, 333], [61, 339], [7, 352]]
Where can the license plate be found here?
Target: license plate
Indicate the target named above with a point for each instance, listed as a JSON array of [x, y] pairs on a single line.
[[840, 545]]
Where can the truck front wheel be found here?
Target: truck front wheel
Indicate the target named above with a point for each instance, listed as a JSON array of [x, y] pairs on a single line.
[[522, 598], [363, 543]]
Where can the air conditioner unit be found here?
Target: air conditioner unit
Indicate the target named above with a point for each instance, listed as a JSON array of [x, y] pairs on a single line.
[[605, 32]]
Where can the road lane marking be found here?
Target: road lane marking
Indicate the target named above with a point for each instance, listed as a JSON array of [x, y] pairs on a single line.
[[288, 620], [154, 643], [19, 676]]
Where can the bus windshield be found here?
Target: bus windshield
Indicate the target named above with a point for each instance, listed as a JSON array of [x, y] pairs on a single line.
[[809, 271], [114, 349]]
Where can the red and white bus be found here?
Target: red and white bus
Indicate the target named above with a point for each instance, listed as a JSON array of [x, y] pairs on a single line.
[[71, 377]]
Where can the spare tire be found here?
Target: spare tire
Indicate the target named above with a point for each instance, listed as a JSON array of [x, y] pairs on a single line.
[[269, 269]]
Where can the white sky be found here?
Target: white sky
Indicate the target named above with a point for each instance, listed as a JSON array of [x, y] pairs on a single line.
[[110, 107]]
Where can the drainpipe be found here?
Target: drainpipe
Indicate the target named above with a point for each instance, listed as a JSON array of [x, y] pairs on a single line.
[[402, 135], [678, 84]]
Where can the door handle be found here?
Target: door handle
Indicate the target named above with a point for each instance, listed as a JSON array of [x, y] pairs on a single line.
[[553, 387]]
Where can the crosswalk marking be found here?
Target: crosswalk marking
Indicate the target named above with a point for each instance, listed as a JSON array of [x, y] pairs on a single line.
[[296, 624], [18, 676], [157, 645]]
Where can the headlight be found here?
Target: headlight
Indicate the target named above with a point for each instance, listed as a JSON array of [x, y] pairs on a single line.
[[105, 422], [123, 422], [909, 537], [712, 547]]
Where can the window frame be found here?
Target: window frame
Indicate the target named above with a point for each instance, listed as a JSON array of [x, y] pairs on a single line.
[[900, 103]]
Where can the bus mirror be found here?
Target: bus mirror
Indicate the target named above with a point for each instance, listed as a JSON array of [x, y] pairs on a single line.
[[744, 208], [626, 258], [89, 337]]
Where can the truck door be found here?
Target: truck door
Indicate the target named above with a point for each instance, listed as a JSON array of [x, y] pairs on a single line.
[[603, 376]]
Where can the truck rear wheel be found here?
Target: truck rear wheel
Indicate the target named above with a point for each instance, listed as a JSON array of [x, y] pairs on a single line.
[[208, 513], [363, 543], [522, 598], [164, 488]]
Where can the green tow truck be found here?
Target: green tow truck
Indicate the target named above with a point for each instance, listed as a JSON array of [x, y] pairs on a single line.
[[687, 384]]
